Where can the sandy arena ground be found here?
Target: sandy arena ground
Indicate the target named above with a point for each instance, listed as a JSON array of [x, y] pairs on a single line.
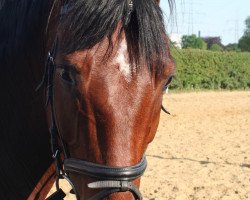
[[201, 151]]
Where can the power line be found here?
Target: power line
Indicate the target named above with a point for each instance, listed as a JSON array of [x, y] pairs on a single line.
[[235, 29]]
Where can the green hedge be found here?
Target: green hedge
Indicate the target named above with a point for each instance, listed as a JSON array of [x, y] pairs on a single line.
[[201, 69]]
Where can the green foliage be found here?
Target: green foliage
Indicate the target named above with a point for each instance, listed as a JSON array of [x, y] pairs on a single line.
[[232, 47], [203, 44], [199, 69], [216, 47], [244, 43], [247, 22], [191, 41]]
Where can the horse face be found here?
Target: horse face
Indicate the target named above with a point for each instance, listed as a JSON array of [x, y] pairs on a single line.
[[106, 108], [106, 111]]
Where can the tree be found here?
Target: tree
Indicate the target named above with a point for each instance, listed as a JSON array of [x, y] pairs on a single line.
[[232, 47], [247, 30], [191, 41], [216, 47], [244, 43], [212, 40]]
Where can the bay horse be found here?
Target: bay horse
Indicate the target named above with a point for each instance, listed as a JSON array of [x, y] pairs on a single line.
[[107, 64]]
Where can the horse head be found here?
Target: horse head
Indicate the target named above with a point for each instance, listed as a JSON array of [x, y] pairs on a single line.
[[107, 70]]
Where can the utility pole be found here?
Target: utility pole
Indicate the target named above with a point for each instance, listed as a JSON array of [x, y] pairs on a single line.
[[191, 17], [189, 14], [234, 29], [186, 14]]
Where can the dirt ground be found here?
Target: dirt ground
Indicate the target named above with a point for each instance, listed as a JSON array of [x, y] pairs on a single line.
[[201, 151]]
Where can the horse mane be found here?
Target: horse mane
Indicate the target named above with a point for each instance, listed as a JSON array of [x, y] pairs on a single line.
[[89, 22], [24, 138], [22, 28]]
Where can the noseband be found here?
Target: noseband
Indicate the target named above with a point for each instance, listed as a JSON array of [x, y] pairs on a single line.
[[109, 179]]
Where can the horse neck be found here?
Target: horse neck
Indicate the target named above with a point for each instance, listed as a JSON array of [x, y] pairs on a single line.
[[23, 124]]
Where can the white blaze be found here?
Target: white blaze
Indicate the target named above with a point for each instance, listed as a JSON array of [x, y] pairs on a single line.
[[121, 60]]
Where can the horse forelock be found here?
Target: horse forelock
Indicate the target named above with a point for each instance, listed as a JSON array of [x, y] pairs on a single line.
[[89, 22]]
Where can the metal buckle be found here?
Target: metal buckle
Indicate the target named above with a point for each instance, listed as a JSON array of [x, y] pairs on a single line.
[[131, 5], [50, 57], [55, 154]]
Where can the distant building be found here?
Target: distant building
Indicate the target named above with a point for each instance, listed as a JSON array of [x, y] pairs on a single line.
[[175, 38]]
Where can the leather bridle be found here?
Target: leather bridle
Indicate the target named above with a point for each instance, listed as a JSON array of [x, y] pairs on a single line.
[[109, 179]]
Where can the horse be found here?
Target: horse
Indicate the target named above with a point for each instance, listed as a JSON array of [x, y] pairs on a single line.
[[104, 65]]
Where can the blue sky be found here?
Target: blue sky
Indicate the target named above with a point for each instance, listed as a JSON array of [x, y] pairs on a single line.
[[224, 18]]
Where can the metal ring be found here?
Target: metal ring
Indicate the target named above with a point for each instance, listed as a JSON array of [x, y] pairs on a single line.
[[55, 154]]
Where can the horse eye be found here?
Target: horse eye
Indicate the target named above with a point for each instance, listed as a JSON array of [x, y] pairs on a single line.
[[66, 76], [168, 82]]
